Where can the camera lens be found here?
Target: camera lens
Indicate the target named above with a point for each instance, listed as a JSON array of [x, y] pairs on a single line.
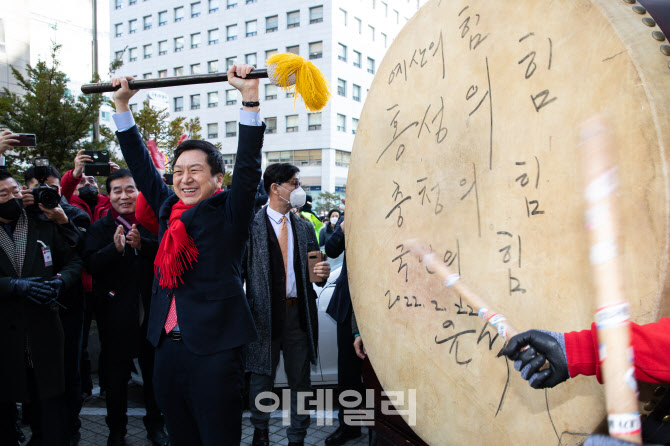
[[48, 197]]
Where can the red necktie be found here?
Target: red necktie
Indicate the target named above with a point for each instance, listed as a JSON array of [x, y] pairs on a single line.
[[171, 321]]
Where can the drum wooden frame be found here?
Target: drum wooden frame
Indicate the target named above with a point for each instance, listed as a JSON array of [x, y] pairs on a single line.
[[468, 139]]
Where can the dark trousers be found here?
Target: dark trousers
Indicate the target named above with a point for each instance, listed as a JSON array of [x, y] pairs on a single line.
[[294, 342], [85, 363], [199, 395], [47, 416], [72, 321], [117, 375], [348, 364]]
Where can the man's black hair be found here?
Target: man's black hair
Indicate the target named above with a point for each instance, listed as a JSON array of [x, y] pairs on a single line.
[[5, 175], [214, 157], [29, 174], [120, 173], [278, 173]]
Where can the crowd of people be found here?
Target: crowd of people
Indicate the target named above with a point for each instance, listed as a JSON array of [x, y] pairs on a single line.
[[162, 269]]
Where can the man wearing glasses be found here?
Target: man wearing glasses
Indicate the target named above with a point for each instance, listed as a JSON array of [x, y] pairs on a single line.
[[282, 300]]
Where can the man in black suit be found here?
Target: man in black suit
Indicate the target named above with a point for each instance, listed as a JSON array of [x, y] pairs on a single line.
[[199, 317], [119, 253], [348, 364], [36, 264]]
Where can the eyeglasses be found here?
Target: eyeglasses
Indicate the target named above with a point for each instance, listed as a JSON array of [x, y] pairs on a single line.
[[295, 183], [88, 180]]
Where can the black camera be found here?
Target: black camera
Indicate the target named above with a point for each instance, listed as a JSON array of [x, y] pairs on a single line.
[[44, 194]]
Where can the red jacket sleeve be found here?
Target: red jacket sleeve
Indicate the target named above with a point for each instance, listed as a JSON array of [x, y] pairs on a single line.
[[651, 343], [68, 184]]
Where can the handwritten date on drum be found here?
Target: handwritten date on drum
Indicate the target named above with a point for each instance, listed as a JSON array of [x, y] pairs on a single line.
[[420, 58], [543, 98]]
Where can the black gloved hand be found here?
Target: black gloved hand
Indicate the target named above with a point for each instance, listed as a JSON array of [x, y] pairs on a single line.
[[33, 288], [542, 345], [56, 285]]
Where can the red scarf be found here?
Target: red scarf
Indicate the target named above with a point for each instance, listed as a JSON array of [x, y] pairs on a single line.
[[177, 250]]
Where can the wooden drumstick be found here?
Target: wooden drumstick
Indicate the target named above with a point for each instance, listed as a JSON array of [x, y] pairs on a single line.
[[612, 309], [453, 280], [284, 70]]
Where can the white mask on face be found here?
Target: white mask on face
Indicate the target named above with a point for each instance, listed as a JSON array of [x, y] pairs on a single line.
[[297, 198], [333, 221]]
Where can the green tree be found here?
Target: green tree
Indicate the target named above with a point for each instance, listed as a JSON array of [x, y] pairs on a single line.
[[61, 122], [193, 128], [326, 202]]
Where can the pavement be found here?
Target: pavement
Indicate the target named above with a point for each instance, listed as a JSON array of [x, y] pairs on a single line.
[[94, 431]]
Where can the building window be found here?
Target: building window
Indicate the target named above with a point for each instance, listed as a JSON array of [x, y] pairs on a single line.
[[341, 123], [132, 26], [397, 17], [251, 28], [179, 71], [341, 87], [178, 104], [213, 130], [146, 51], [271, 24], [251, 1], [146, 76], [179, 14], [357, 59], [384, 38], [230, 61], [212, 99], [271, 125], [231, 4], [213, 36], [231, 128], [231, 32], [315, 50], [195, 101], [132, 2], [195, 10], [132, 54], [386, 9], [146, 21], [118, 55], [231, 97], [343, 14], [270, 53], [229, 160], [162, 47], [354, 125], [359, 25], [314, 121], [162, 73], [133, 108], [270, 92], [250, 59], [316, 14], [371, 66], [293, 49], [195, 68], [118, 4], [213, 66], [356, 92], [213, 6], [162, 18], [293, 19], [195, 40], [342, 52], [372, 32], [291, 123], [118, 30], [178, 44], [342, 159]]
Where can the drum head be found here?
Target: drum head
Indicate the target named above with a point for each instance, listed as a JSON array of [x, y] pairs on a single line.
[[469, 140]]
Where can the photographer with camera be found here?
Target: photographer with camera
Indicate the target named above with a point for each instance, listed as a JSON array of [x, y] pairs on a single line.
[[36, 265], [41, 193], [119, 253]]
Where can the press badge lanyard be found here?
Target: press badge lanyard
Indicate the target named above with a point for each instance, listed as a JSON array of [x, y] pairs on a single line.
[[46, 253]]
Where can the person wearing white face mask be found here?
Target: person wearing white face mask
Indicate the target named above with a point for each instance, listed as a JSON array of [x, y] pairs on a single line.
[[329, 228], [282, 299]]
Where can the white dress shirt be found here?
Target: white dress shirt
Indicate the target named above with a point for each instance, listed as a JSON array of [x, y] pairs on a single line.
[[275, 219]]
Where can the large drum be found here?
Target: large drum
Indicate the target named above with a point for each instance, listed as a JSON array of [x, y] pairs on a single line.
[[469, 140]]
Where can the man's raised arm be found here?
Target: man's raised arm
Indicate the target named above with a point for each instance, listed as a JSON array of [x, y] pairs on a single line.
[[134, 151]]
